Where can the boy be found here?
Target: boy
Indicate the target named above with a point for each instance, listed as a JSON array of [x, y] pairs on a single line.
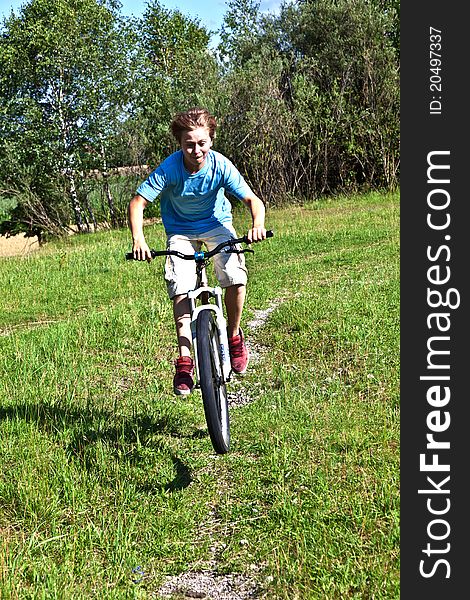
[[194, 209]]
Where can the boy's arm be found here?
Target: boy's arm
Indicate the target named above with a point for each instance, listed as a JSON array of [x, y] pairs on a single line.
[[256, 206], [136, 225]]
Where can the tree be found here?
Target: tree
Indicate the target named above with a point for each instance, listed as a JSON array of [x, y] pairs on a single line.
[[178, 71], [240, 32], [314, 96], [343, 51], [64, 75]]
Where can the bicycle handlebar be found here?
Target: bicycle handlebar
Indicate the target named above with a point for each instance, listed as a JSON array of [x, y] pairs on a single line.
[[204, 254]]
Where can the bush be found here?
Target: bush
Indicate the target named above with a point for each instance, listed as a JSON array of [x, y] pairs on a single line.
[[313, 108]]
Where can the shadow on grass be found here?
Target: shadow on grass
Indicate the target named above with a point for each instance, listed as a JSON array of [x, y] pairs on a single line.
[[123, 439]]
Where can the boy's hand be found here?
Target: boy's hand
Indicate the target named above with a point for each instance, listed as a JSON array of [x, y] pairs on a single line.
[[141, 251], [256, 234]]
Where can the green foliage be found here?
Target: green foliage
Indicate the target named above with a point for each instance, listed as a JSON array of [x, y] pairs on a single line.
[[38, 206], [63, 81], [178, 72], [240, 31], [60, 59], [307, 100], [318, 95], [6, 206], [257, 131]]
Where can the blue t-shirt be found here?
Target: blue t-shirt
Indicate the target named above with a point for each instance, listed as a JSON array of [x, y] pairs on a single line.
[[194, 203]]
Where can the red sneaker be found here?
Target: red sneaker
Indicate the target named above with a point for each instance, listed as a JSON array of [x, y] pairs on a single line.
[[238, 353], [183, 380]]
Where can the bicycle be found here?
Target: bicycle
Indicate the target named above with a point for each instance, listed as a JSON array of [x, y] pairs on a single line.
[[209, 339]]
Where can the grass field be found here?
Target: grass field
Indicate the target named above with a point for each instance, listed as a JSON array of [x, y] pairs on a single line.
[[105, 473]]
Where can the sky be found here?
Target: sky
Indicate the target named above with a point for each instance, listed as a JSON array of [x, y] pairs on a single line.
[[209, 13]]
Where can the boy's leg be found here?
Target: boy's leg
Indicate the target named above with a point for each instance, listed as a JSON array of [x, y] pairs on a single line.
[[234, 301], [183, 324], [239, 355], [183, 380], [180, 277]]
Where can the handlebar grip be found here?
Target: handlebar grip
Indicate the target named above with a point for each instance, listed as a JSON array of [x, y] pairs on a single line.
[[269, 234], [153, 254]]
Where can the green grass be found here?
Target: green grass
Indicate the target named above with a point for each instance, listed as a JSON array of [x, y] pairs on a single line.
[[104, 470]]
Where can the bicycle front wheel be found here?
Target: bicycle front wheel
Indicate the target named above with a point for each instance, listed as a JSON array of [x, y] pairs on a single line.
[[213, 389]]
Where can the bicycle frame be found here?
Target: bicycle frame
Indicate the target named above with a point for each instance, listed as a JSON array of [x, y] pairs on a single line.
[[204, 293]]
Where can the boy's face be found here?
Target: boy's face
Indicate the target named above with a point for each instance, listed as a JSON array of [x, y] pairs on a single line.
[[195, 145]]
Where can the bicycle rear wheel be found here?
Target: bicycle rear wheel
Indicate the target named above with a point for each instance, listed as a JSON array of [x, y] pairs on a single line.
[[213, 389]]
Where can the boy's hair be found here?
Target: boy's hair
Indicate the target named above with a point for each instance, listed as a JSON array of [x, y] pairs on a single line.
[[192, 119]]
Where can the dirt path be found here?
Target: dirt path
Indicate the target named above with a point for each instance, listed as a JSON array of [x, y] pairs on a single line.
[[209, 584], [17, 245]]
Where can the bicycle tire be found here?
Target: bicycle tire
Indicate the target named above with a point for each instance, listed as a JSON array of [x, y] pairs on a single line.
[[211, 379]]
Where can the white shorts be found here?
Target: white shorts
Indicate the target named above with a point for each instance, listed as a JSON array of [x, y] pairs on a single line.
[[180, 274]]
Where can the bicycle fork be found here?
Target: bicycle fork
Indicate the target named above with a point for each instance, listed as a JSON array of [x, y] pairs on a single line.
[[220, 321]]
